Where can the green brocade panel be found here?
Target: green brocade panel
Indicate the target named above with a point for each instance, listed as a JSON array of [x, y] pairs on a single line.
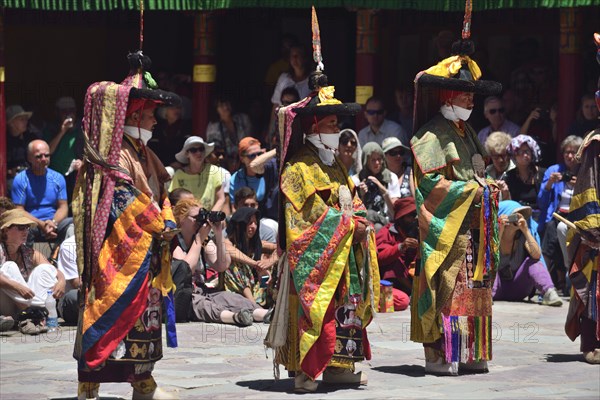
[[186, 5]]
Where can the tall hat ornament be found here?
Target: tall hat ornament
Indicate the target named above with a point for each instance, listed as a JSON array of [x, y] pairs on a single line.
[[319, 103]]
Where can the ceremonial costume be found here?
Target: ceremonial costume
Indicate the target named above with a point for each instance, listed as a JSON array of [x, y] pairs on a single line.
[[451, 307], [120, 210], [584, 212], [329, 279]]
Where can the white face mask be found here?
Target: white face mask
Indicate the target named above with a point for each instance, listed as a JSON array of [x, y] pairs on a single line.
[[455, 113], [327, 143], [138, 133]]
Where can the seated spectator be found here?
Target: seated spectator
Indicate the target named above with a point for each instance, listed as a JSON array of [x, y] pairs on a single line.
[[379, 127], [228, 130], [289, 95], [246, 197], [541, 126], [521, 267], [6, 321], [266, 184], [525, 180], [397, 158], [217, 157], [496, 146], [378, 186], [25, 274], [17, 138], [203, 179], [403, 114], [66, 263], [65, 139], [587, 117], [169, 134], [252, 259], [267, 165], [194, 255], [398, 250], [555, 196], [179, 194], [349, 151], [494, 112], [42, 192]]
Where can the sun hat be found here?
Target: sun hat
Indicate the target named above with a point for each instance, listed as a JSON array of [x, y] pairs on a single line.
[[15, 111], [15, 217], [404, 206], [182, 156], [390, 143]]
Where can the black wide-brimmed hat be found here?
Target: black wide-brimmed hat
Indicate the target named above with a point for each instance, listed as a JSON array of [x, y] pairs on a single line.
[[458, 73]]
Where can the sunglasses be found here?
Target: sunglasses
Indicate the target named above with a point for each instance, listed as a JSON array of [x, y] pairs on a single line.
[[524, 152], [40, 156], [349, 142], [494, 110], [252, 156], [395, 153], [375, 112], [22, 227], [194, 150]]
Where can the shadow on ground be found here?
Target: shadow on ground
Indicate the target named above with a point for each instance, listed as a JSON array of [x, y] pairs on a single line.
[[407, 370], [563, 358], [286, 385]]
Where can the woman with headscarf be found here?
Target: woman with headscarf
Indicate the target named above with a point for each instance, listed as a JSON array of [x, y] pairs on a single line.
[[248, 266], [349, 151], [521, 266], [378, 186], [525, 180]]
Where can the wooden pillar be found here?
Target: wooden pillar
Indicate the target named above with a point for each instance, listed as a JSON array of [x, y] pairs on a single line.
[[205, 71], [2, 111], [570, 66], [366, 47]]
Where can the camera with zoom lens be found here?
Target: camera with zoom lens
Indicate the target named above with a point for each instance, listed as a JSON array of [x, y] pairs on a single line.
[[212, 216], [567, 176], [372, 191]]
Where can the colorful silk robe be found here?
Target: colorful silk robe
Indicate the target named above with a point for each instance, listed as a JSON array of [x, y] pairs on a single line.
[[334, 284], [444, 302], [585, 261], [125, 271]]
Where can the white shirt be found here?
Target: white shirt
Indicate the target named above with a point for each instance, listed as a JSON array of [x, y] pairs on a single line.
[[285, 80], [387, 129], [67, 261]]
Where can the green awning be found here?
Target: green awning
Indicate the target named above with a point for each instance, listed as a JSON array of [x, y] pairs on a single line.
[[186, 5]]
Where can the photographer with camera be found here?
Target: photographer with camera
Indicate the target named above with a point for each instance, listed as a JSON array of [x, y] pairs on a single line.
[[555, 196], [541, 125], [521, 268], [195, 256], [378, 186], [398, 250]]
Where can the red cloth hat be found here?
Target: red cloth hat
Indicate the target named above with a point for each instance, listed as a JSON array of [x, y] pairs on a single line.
[[404, 206], [245, 144]]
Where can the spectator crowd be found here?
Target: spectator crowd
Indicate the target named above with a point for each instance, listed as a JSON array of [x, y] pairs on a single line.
[[223, 185]]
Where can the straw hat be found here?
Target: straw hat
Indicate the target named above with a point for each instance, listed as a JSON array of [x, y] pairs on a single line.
[[15, 217]]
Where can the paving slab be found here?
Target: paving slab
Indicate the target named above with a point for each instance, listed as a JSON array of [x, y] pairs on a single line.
[[533, 359]]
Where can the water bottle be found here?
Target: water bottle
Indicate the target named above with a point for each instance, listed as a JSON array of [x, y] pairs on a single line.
[[52, 319]]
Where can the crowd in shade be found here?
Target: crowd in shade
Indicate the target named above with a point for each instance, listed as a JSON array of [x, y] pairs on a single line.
[[223, 186]]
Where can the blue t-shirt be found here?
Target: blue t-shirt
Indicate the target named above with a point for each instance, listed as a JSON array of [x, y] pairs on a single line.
[[239, 179], [39, 194]]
